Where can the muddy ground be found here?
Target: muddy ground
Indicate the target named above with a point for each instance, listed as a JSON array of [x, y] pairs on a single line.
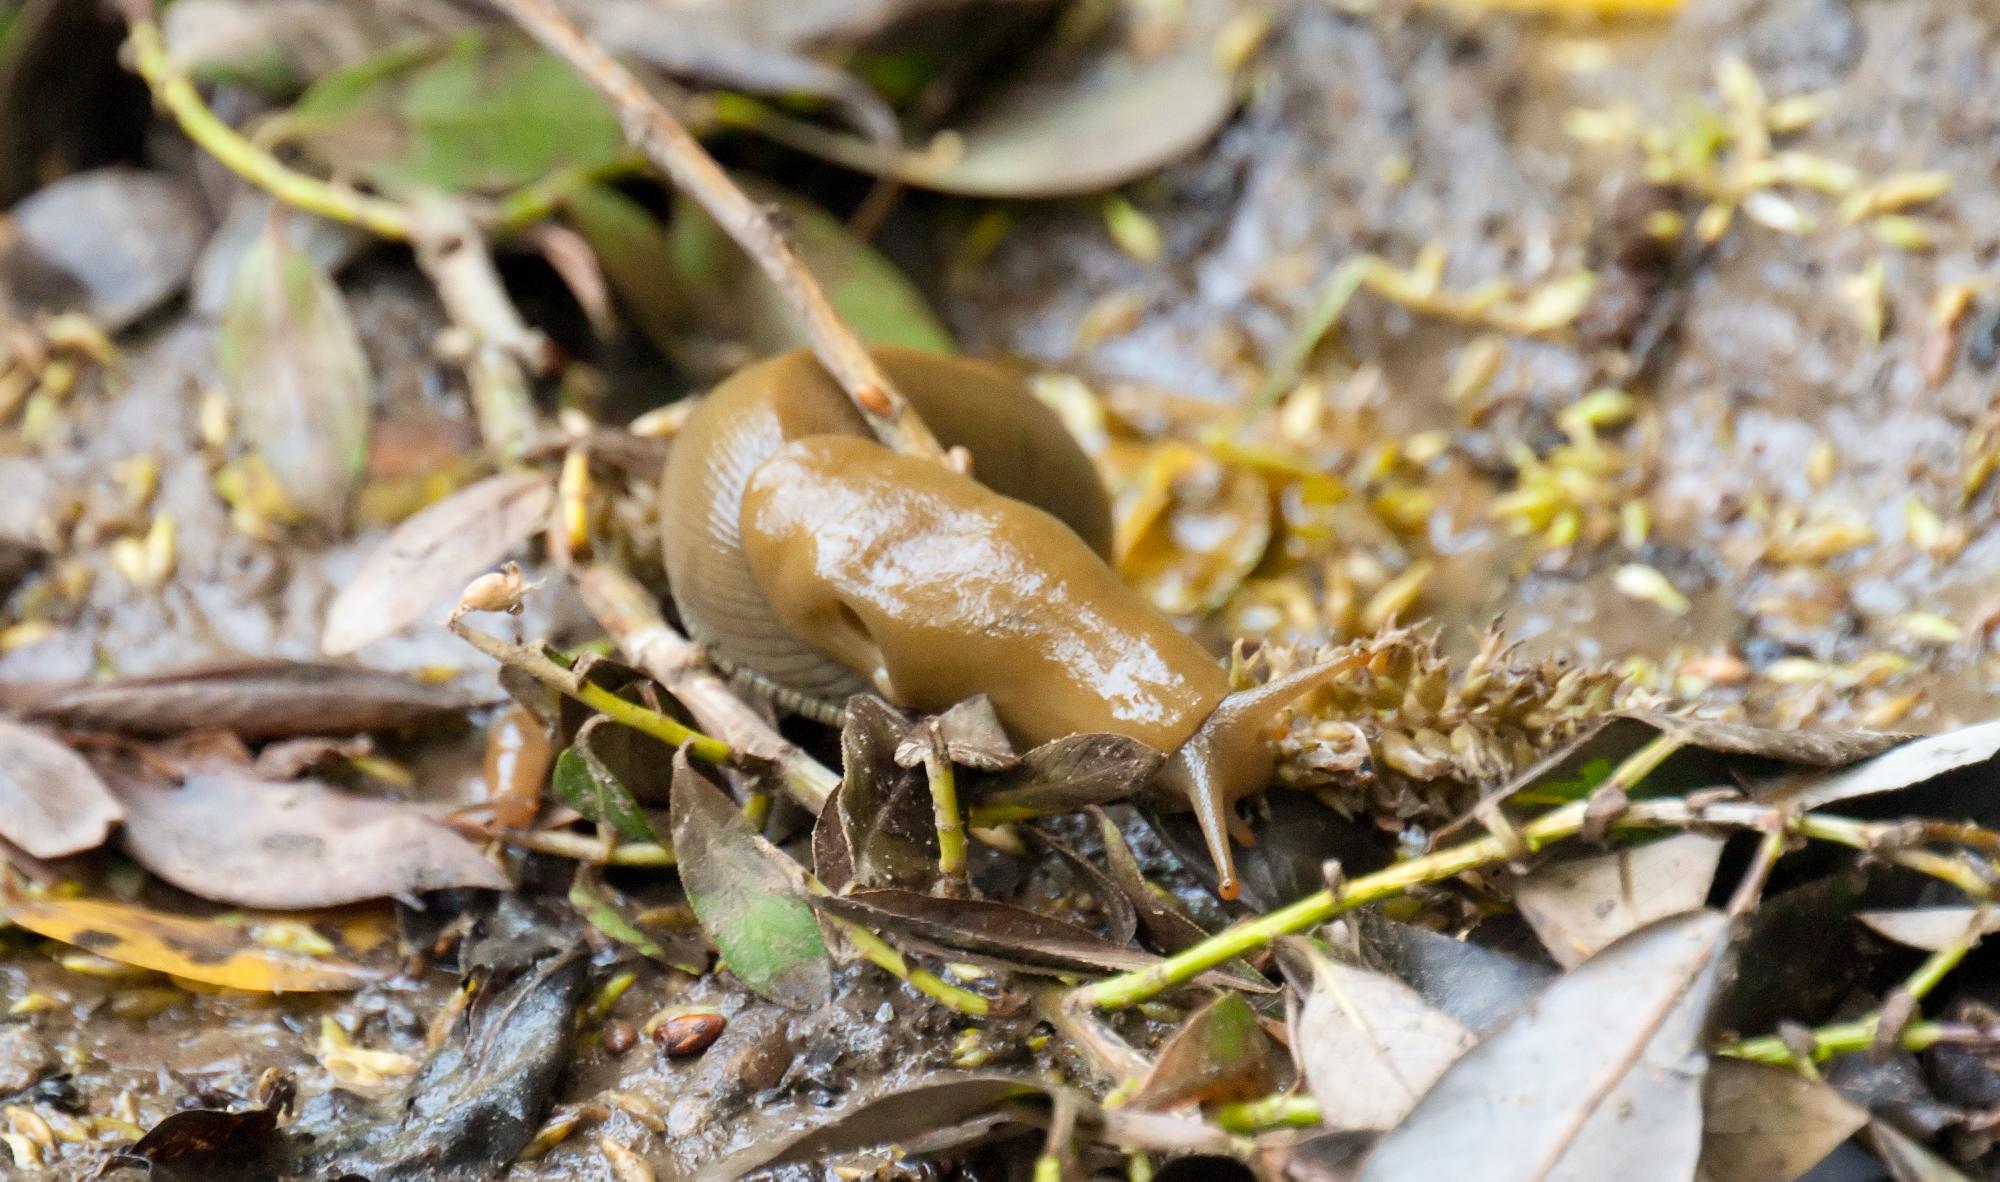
[[1768, 364]]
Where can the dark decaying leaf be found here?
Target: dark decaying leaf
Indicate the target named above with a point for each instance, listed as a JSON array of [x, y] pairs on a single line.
[[1907, 766], [297, 380], [1121, 921], [210, 1145], [734, 302], [425, 562], [1369, 1045], [482, 112], [1296, 838], [476, 1102], [971, 736], [209, 951], [228, 836], [1932, 928], [19, 558], [832, 860], [585, 782], [1769, 1124], [1907, 1160], [1602, 1075], [1221, 1053], [900, 1117], [1167, 927], [1580, 905], [52, 803], [254, 700], [1068, 774], [1481, 987], [992, 932], [883, 808], [1798, 957], [749, 897], [113, 242], [1063, 128]]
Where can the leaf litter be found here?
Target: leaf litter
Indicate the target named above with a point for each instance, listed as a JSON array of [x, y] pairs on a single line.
[[1516, 853]]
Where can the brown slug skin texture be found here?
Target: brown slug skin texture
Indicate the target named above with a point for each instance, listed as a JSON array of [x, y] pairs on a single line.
[[802, 550]]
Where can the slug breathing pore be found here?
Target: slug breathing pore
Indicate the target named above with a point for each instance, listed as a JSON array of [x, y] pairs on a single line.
[[805, 554]]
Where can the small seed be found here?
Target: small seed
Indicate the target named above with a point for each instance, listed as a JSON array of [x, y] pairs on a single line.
[[619, 1036], [688, 1033]]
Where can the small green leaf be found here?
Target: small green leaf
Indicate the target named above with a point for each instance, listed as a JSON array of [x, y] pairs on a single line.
[[749, 897], [296, 377], [584, 783], [482, 112], [734, 299]]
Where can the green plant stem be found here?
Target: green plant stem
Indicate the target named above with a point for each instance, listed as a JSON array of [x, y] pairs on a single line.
[[177, 95], [1875, 839], [944, 810], [1282, 1111], [879, 953], [537, 665]]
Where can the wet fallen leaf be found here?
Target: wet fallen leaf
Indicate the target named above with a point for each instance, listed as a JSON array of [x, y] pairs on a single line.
[[1798, 955], [1602, 1074], [1769, 1124], [1369, 1045], [1581, 905], [329, 244], [52, 802], [609, 914], [1907, 1160], [750, 898], [985, 930], [917, 1110], [233, 838], [972, 736], [1167, 927], [114, 243], [297, 380], [1064, 128], [1907, 766], [1480, 987], [735, 302], [584, 782], [883, 808], [1221, 1053], [1068, 774], [1931, 928], [1121, 921], [210, 1145], [481, 112], [279, 48], [179, 945], [423, 564], [476, 1102], [256, 700]]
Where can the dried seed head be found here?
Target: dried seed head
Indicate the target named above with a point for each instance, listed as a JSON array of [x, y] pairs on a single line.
[[495, 591]]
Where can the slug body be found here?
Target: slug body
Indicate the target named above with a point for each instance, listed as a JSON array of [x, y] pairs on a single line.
[[803, 552]]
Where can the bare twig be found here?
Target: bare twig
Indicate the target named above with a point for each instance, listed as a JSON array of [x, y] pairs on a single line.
[[655, 132], [504, 351], [634, 622]]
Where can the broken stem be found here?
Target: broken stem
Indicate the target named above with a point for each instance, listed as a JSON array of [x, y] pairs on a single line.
[[633, 619], [583, 848], [944, 811], [536, 664], [654, 131]]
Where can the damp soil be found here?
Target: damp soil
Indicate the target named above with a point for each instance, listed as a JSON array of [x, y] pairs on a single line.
[[1766, 365]]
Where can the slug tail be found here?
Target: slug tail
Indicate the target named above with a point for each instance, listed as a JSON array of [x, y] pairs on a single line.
[[1229, 758]]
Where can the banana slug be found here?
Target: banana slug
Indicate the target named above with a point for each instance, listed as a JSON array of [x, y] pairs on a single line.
[[818, 563]]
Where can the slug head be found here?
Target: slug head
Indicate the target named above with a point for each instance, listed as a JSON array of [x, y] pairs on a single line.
[[1229, 757]]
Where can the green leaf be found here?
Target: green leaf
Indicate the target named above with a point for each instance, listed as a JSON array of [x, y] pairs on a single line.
[[735, 300], [633, 249], [583, 782], [482, 112], [297, 381], [749, 897]]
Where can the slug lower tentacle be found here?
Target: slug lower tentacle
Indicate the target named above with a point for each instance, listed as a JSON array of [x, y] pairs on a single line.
[[801, 550]]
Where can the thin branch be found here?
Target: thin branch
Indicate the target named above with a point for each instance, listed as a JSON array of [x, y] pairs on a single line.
[[629, 614], [654, 131], [504, 351]]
